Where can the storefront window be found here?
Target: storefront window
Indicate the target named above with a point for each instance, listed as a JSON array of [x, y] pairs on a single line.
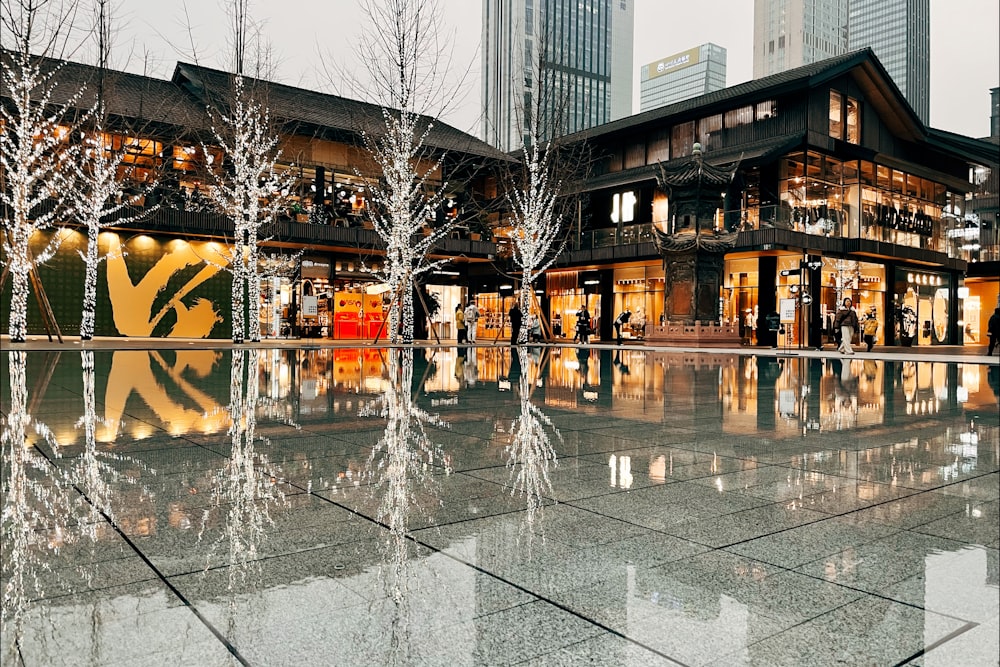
[[862, 282], [739, 301], [853, 121], [640, 290], [922, 314]]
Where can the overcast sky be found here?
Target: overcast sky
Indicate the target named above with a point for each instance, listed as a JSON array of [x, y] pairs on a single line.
[[312, 39]]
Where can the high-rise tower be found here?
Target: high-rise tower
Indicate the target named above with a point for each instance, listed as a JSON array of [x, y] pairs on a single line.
[[792, 33], [573, 55], [898, 31]]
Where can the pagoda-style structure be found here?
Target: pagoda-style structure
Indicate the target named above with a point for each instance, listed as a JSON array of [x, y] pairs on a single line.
[[693, 250]]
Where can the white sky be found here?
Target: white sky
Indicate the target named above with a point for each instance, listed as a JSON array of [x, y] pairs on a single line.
[[965, 45]]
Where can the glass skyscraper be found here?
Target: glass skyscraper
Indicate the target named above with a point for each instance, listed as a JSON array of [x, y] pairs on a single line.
[[570, 59], [791, 33], [898, 31]]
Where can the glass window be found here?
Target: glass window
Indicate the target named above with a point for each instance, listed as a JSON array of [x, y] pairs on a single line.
[[659, 146], [741, 116], [853, 121], [836, 115], [708, 127], [681, 140], [867, 173], [884, 177], [766, 110]]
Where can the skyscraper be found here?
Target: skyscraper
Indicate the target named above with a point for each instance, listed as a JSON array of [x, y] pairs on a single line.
[[573, 56], [681, 76], [898, 31], [792, 33]]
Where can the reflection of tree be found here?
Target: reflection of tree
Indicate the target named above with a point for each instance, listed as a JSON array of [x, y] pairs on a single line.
[[400, 466], [530, 452], [93, 471], [244, 487], [40, 513]]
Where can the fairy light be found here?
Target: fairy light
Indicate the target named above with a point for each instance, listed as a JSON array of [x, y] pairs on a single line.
[[536, 223], [250, 191], [36, 177]]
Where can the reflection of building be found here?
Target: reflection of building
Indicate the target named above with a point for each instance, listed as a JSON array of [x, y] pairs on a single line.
[[683, 75]]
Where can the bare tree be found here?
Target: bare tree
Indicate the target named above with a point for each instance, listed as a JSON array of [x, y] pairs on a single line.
[[100, 173], [406, 62], [536, 191], [35, 178], [249, 185]]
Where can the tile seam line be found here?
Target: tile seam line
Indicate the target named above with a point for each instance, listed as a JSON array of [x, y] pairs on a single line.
[[969, 625], [413, 538], [159, 575]]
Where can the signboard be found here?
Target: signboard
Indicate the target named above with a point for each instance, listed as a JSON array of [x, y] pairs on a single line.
[[673, 63], [310, 305], [786, 308]]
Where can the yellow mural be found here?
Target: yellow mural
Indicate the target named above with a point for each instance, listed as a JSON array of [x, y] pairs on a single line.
[[132, 303]]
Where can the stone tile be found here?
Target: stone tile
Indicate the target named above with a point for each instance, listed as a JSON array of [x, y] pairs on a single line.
[[804, 544], [875, 565], [133, 624], [866, 631], [603, 650], [978, 524], [733, 528]]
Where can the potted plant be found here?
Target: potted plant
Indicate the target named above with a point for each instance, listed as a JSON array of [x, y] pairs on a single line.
[[299, 212]]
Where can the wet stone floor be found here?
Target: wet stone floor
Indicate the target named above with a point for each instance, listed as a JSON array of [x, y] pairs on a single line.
[[544, 506]]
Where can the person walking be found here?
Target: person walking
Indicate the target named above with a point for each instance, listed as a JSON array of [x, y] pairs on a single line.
[[620, 321], [869, 327], [515, 323], [993, 331], [582, 325], [847, 323], [471, 321], [460, 323]]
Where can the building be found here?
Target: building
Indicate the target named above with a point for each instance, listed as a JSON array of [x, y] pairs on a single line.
[[791, 33], [995, 112], [836, 173], [840, 190], [898, 31], [576, 56], [681, 76], [165, 275]]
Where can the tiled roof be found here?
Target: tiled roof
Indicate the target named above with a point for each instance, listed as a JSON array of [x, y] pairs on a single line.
[[774, 84], [325, 111], [130, 96]]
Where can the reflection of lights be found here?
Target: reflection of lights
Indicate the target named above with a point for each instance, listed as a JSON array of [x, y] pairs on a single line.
[[718, 484], [589, 395], [571, 364], [961, 394]]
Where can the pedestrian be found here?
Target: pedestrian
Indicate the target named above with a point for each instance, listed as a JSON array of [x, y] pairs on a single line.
[[993, 331], [582, 325], [869, 328], [557, 325], [460, 323], [847, 323], [620, 321], [535, 328], [515, 323], [471, 321]]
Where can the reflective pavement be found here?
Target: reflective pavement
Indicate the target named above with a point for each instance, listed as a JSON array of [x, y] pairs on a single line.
[[541, 506]]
